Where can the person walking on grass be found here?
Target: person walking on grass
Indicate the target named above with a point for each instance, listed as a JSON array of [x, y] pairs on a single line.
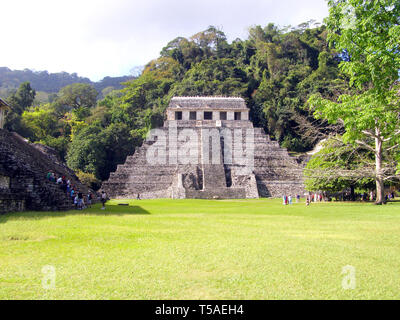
[[80, 200], [89, 200], [103, 199]]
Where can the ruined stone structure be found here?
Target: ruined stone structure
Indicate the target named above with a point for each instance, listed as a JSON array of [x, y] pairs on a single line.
[[23, 170], [4, 107], [207, 149]]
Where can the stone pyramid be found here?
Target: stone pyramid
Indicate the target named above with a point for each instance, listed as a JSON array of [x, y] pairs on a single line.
[[207, 149]]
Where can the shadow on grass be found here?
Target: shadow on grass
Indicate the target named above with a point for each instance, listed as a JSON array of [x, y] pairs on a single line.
[[110, 210]]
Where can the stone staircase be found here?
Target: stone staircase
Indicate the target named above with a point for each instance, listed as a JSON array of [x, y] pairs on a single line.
[[137, 177], [25, 167], [274, 172], [217, 178]]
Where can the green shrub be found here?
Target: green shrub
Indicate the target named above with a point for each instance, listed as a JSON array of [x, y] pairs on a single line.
[[89, 180]]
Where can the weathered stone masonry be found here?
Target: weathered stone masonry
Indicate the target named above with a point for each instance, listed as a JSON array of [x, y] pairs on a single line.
[[23, 170], [272, 174]]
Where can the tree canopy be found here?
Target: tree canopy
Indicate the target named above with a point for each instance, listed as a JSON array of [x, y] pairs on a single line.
[[367, 34], [274, 70]]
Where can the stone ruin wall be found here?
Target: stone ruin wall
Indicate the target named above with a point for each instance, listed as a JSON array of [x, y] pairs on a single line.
[[23, 183]]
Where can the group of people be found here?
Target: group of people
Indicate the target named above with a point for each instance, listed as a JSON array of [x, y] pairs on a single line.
[[79, 200], [76, 196], [356, 196], [312, 197], [388, 196], [347, 196], [287, 200]]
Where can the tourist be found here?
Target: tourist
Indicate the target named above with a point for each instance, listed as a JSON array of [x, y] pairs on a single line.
[[290, 200], [138, 196], [89, 200], [103, 199], [307, 201], [76, 200], [284, 200], [59, 180], [48, 177], [64, 185], [64, 182], [298, 198], [80, 200]]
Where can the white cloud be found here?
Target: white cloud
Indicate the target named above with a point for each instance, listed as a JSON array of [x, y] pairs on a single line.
[[108, 37]]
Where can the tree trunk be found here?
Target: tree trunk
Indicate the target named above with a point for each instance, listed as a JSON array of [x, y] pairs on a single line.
[[380, 188], [352, 193]]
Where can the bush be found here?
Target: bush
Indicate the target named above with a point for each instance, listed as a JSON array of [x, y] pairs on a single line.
[[89, 180]]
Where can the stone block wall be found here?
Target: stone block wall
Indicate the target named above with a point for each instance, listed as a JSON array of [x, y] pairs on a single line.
[[11, 202], [23, 183], [275, 173]]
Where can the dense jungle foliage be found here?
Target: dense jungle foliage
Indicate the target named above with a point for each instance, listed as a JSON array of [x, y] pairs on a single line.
[[275, 70]]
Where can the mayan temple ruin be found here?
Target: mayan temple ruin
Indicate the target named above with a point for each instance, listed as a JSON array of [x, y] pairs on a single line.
[[207, 149], [23, 170]]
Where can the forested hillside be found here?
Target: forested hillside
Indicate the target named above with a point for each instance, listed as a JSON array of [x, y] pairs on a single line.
[[275, 70], [49, 83]]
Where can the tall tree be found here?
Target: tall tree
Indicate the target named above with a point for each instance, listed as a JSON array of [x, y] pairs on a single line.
[[367, 34], [79, 97], [23, 98], [19, 102]]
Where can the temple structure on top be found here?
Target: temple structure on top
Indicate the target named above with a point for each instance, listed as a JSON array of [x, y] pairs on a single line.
[[207, 149], [207, 109]]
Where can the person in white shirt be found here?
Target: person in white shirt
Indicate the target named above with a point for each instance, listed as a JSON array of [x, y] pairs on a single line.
[[103, 199]]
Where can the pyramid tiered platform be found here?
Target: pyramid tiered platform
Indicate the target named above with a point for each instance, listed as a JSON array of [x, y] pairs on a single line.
[[207, 149]]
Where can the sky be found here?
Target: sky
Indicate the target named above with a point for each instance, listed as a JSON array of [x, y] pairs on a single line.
[[98, 38]]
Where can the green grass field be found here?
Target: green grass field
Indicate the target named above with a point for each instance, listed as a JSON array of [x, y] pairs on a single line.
[[200, 249]]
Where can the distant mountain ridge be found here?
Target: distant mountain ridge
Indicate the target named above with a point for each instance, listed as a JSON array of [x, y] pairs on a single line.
[[53, 82]]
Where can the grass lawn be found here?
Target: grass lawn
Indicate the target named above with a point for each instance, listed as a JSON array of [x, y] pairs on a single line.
[[201, 249]]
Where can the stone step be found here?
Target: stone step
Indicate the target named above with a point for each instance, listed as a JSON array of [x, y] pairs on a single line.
[[28, 167], [272, 164]]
